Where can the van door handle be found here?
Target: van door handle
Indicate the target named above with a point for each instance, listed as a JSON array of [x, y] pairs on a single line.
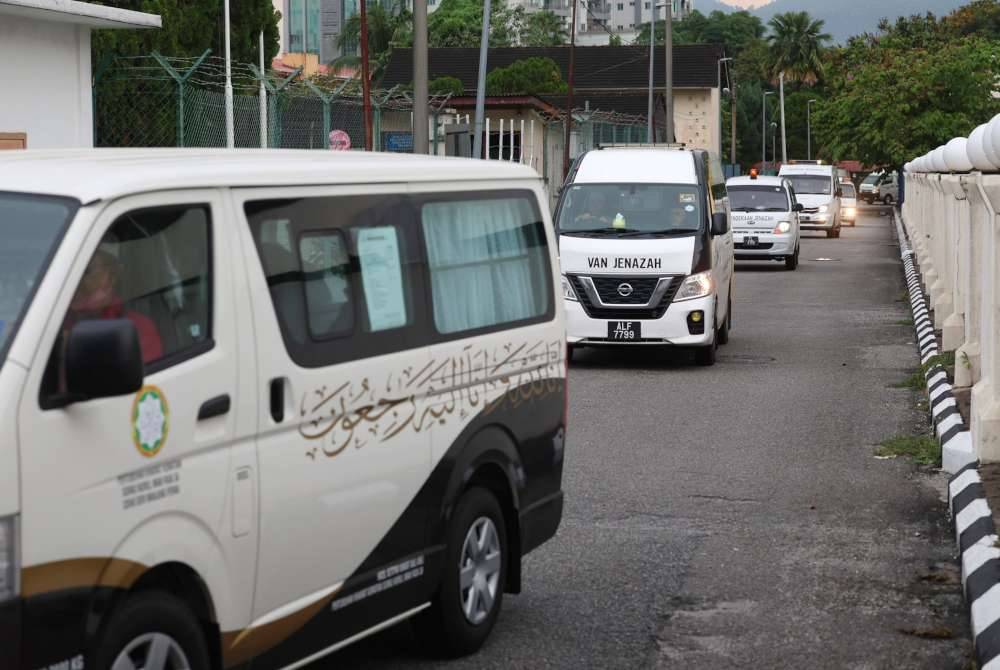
[[217, 406], [278, 399]]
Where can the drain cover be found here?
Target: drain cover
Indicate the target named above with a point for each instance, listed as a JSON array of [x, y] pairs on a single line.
[[746, 358]]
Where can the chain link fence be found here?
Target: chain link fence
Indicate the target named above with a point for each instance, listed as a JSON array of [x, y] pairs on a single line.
[[159, 101]]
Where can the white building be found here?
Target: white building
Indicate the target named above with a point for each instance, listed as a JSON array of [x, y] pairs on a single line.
[[46, 84]]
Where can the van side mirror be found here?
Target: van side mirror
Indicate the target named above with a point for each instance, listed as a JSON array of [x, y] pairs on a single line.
[[103, 359], [798, 207], [720, 224]]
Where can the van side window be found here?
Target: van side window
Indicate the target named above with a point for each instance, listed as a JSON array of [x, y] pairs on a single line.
[[342, 273], [152, 267], [488, 262]]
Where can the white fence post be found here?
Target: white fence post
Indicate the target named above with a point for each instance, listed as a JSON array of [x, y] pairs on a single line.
[[985, 396]]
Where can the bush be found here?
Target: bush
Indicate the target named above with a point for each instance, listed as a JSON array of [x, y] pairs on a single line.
[[531, 76]]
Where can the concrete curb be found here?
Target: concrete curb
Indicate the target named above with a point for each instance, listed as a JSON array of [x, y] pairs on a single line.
[[951, 431], [974, 531]]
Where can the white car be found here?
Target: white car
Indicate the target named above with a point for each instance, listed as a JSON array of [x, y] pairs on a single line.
[[646, 250], [765, 219], [848, 203], [816, 187], [257, 405]]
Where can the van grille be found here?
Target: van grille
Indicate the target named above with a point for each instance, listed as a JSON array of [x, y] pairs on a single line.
[[642, 290]]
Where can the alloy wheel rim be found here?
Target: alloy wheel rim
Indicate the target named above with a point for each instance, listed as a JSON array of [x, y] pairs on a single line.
[[152, 651], [479, 570]]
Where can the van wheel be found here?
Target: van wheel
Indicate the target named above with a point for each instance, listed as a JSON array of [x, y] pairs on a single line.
[[722, 336], [155, 631], [468, 601], [792, 262], [887, 200]]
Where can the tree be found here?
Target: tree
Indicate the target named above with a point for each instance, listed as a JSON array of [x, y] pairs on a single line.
[[543, 29], [797, 43], [446, 85], [889, 104], [190, 27], [530, 76], [736, 31], [614, 40], [387, 27], [458, 23]]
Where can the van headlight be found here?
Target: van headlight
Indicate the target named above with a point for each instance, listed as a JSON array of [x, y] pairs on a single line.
[[782, 228], [696, 286], [568, 292], [823, 209], [10, 570]]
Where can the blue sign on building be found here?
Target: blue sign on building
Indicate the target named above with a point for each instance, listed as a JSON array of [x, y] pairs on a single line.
[[398, 142]]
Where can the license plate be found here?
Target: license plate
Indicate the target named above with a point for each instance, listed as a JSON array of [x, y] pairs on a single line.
[[624, 331], [750, 242]]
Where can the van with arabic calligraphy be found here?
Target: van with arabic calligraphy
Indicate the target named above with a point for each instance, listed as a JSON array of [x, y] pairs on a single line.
[[257, 406]]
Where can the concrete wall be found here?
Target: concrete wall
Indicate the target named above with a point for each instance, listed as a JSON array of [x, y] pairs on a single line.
[[696, 118], [952, 222], [45, 82]]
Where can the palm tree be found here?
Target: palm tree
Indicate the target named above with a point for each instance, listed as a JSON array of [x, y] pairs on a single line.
[[797, 43], [389, 24]]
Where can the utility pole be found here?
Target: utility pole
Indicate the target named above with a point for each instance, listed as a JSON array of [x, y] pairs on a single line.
[[569, 97], [774, 141], [420, 140], [230, 135], [721, 147], [809, 139], [262, 95], [669, 39], [732, 148], [784, 141], [484, 43], [366, 92], [763, 130]]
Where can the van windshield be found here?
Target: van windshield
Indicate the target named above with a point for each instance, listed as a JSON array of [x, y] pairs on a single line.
[[809, 184], [32, 226], [758, 199], [848, 190], [629, 210]]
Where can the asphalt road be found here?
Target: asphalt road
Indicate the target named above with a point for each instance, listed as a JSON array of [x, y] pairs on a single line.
[[735, 516]]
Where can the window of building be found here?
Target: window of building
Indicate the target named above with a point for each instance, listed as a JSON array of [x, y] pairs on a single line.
[[488, 262], [152, 267], [511, 149], [342, 273], [645, 5], [621, 6]]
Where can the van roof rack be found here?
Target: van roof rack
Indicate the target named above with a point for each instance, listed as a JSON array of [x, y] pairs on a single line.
[[642, 145], [803, 162]]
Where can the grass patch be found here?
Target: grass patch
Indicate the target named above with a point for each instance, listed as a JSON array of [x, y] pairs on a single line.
[[921, 448], [914, 382], [904, 322]]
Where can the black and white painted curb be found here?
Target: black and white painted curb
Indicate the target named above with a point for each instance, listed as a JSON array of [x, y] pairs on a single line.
[[956, 441], [974, 531]]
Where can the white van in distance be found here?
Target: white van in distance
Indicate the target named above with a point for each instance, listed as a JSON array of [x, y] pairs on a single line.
[[817, 188], [256, 405], [765, 219], [646, 250]]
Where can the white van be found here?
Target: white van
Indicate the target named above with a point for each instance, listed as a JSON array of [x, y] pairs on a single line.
[[646, 250], [256, 405], [765, 219], [817, 188]]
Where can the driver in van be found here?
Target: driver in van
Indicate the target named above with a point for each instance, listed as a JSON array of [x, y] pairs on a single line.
[[596, 210], [96, 298]]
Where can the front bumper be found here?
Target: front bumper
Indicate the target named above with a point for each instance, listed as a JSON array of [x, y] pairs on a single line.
[[669, 329], [814, 222], [769, 245]]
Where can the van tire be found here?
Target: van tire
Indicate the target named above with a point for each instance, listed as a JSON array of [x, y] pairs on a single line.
[[722, 336], [445, 625], [152, 613], [792, 262]]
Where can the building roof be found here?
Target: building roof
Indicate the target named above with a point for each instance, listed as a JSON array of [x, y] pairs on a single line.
[[603, 68], [90, 175], [80, 13]]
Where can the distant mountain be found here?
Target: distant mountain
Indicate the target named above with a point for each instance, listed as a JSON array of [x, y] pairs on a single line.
[[843, 18]]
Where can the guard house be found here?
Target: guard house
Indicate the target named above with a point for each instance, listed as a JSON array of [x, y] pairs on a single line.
[[47, 86]]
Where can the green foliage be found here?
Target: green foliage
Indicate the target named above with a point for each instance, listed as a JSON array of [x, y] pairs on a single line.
[[531, 76], [614, 40], [543, 29], [387, 27], [190, 27], [921, 448], [445, 85], [458, 23], [736, 31], [797, 43]]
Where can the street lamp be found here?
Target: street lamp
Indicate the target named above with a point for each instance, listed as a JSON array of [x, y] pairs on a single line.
[[763, 130], [721, 61], [774, 141], [650, 126], [809, 139]]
